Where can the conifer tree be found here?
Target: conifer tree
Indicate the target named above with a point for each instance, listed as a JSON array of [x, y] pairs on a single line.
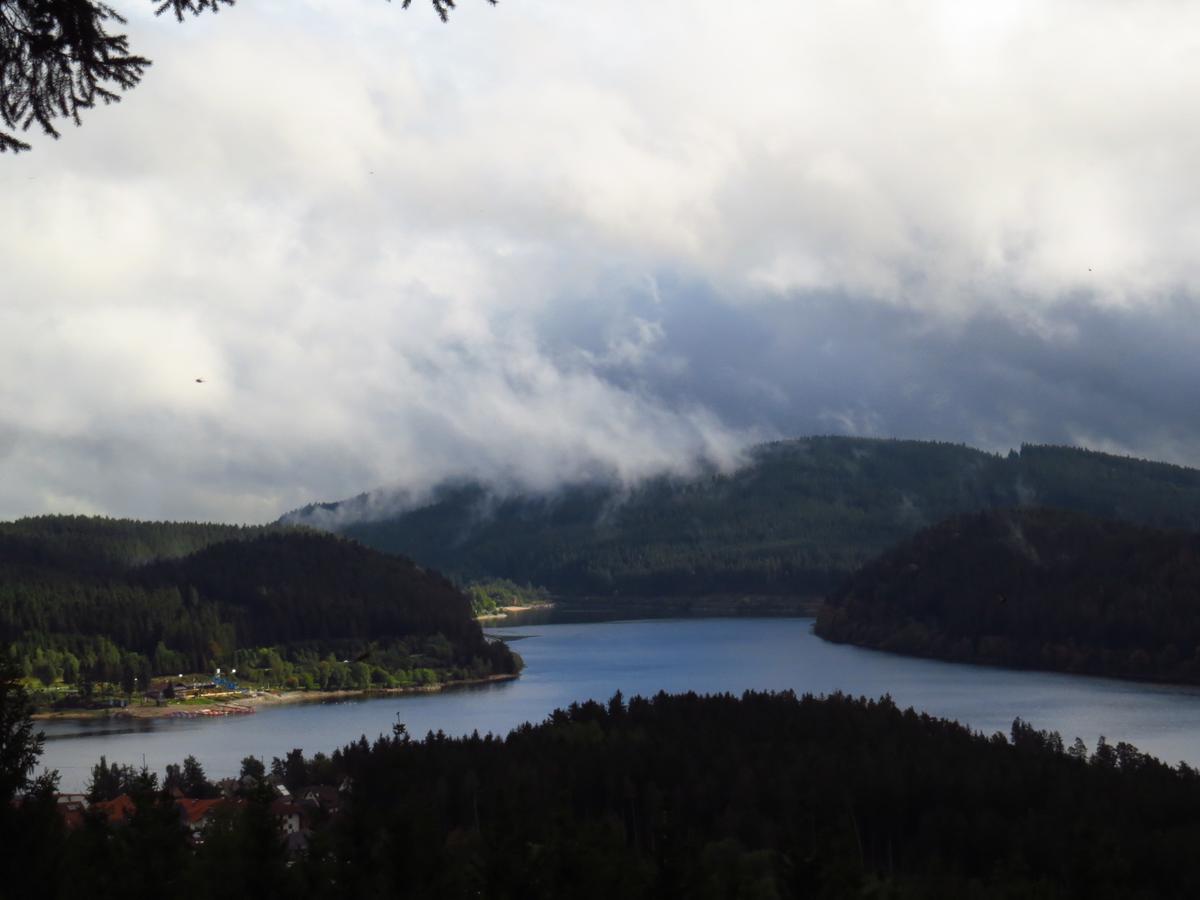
[[20, 745], [59, 57]]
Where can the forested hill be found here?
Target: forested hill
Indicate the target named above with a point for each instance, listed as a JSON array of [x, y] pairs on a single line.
[[291, 606], [1032, 588], [96, 544], [310, 586], [796, 519]]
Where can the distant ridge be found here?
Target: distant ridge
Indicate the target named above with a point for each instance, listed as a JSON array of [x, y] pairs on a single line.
[[796, 519], [98, 544]]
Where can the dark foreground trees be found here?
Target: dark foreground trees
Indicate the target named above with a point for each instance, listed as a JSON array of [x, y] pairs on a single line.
[[20, 743], [59, 57], [767, 795], [30, 829]]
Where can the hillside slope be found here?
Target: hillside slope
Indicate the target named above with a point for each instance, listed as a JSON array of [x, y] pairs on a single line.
[[798, 518], [100, 545], [1032, 588], [288, 606]]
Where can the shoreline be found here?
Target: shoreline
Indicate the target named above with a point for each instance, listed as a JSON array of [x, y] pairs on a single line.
[[719, 605], [723, 605], [252, 703], [506, 611]]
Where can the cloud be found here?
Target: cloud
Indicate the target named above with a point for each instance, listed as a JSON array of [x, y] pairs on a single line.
[[554, 240], [1110, 378]]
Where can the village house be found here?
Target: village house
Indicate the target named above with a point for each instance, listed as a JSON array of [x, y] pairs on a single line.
[[71, 807], [289, 815], [319, 798], [292, 815], [117, 811], [196, 814]]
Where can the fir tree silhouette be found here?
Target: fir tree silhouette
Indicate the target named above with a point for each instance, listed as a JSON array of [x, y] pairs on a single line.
[[59, 57]]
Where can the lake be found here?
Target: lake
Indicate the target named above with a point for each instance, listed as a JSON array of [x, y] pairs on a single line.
[[579, 661]]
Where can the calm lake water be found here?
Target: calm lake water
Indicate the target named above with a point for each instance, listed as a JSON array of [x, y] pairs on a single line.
[[569, 662]]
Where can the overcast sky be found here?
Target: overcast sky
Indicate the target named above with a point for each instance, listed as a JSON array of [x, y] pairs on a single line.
[[555, 238]]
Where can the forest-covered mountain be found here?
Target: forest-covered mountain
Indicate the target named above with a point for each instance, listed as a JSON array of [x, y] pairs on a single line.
[[98, 545], [763, 796], [90, 600], [1032, 588], [796, 519]]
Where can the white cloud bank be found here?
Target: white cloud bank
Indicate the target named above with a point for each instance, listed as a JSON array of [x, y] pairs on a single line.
[[400, 251]]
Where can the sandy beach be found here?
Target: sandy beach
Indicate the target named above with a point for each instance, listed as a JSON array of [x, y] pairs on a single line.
[[506, 611]]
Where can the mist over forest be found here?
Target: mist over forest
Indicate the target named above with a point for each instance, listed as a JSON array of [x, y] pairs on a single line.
[[795, 518]]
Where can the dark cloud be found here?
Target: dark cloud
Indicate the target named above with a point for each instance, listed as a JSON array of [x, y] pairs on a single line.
[[1114, 378], [565, 242]]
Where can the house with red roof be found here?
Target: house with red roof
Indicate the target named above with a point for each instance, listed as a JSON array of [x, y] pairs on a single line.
[[117, 811], [196, 814], [71, 807]]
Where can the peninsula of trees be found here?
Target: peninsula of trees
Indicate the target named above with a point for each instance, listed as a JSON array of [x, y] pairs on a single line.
[[95, 603], [768, 796], [1033, 588], [796, 519]]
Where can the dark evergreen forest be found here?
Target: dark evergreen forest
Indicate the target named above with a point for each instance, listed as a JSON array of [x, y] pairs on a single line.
[[91, 601], [796, 519], [763, 796], [1033, 588]]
